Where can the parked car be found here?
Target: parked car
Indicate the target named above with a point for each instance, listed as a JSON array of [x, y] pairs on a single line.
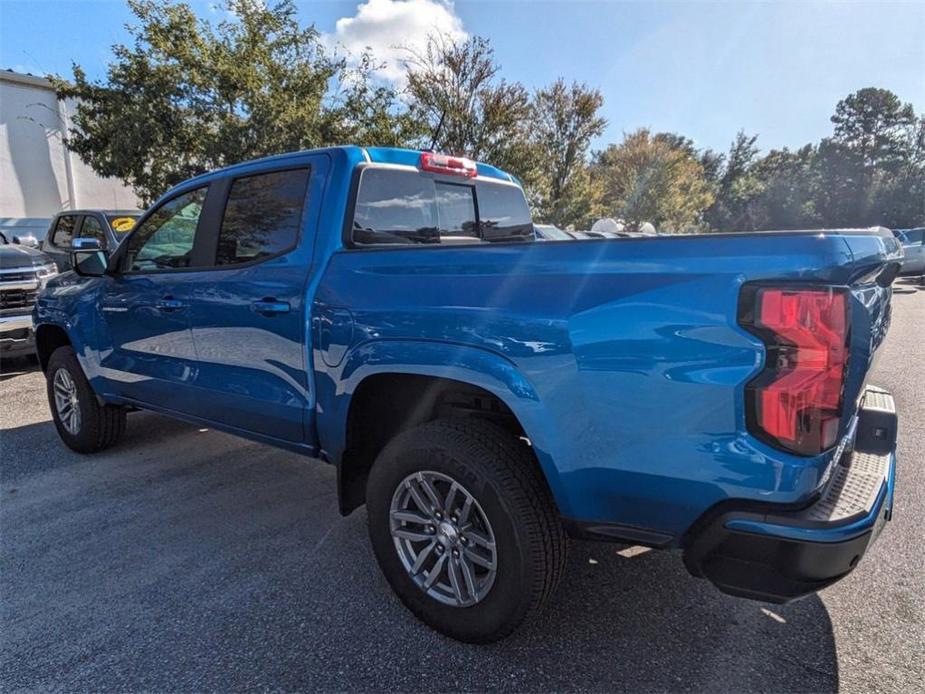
[[550, 232], [23, 271], [486, 399], [608, 227], [913, 243], [108, 227]]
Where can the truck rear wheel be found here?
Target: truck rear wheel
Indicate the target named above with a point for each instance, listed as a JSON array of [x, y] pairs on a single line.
[[84, 424], [465, 528]]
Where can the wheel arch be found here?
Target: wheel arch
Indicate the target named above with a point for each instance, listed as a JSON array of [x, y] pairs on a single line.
[[48, 338], [382, 392]]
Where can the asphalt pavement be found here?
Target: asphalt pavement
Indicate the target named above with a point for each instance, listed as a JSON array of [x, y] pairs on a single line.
[[188, 560]]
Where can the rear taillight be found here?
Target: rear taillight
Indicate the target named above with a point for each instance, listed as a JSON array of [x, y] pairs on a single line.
[[796, 401]]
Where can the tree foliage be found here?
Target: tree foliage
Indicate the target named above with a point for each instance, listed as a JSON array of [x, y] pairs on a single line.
[[870, 172], [454, 88], [652, 178], [565, 120], [876, 125], [184, 95]]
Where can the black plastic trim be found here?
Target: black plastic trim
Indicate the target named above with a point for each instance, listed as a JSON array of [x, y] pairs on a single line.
[[612, 532], [780, 569]]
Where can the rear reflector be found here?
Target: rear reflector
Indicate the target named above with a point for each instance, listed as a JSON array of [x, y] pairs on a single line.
[[445, 164], [795, 403]]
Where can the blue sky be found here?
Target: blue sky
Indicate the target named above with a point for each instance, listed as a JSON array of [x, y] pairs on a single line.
[[701, 69]]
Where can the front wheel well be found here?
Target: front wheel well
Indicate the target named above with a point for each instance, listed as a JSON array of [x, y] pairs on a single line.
[[384, 405], [48, 338]]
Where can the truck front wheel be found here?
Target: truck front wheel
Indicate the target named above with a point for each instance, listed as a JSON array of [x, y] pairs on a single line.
[[465, 528], [84, 424]]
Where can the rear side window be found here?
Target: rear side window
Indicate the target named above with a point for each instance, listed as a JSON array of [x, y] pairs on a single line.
[[63, 233], [504, 213], [262, 216], [406, 207], [92, 229]]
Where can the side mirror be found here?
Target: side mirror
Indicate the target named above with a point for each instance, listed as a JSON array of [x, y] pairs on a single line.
[[85, 243], [87, 258]]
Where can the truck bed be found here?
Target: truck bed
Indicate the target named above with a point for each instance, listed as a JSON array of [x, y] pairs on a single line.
[[596, 342]]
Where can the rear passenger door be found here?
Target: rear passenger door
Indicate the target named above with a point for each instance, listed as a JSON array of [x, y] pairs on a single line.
[[249, 315]]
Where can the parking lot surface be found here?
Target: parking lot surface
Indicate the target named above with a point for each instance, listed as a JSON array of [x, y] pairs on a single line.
[[187, 560]]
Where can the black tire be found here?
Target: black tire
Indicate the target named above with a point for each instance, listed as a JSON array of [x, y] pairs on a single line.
[[503, 476], [100, 425]]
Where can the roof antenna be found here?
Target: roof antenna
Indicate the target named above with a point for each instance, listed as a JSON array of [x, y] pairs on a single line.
[[433, 141]]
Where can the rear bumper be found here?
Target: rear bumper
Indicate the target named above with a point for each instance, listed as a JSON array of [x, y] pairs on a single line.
[[779, 555], [16, 335]]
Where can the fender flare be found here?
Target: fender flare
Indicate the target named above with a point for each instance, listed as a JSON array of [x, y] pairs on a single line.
[[464, 363], [87, 356]]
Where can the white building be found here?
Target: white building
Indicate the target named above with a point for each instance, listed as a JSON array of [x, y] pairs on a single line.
[[39, 177]]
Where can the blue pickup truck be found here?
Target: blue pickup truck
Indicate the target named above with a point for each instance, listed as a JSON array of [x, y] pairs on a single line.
[[486, 396]]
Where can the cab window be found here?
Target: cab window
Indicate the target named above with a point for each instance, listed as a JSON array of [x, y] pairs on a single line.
[[406, 207], [395, 207], [503, 213], [165, 240]]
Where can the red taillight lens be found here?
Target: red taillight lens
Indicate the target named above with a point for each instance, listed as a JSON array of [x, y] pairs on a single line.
[[796, 401], [445, 164]]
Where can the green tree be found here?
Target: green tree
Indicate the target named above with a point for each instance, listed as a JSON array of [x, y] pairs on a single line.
[[735, 187], [468, 110], [868, 171], [565, 119], [876, 125], [784, 191], [185, 95], [650, 178]]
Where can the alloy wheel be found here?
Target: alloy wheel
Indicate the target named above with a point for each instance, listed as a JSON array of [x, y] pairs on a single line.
[[66, 401], [443, 538]]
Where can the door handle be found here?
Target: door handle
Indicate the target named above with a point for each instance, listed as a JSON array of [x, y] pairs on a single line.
[[270, 307], [168, 303]]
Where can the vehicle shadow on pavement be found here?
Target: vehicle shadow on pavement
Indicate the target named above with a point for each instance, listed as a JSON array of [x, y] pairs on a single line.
[[908, 285], [184, 559], [16, 366]]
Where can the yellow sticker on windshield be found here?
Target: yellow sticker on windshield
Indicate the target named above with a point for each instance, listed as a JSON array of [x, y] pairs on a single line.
[[123, 224]]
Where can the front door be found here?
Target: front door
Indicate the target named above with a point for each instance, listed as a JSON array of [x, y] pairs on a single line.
[[146, 311], [249, 317]]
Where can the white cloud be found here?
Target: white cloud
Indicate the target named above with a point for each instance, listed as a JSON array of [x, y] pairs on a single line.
[[387, 28]]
